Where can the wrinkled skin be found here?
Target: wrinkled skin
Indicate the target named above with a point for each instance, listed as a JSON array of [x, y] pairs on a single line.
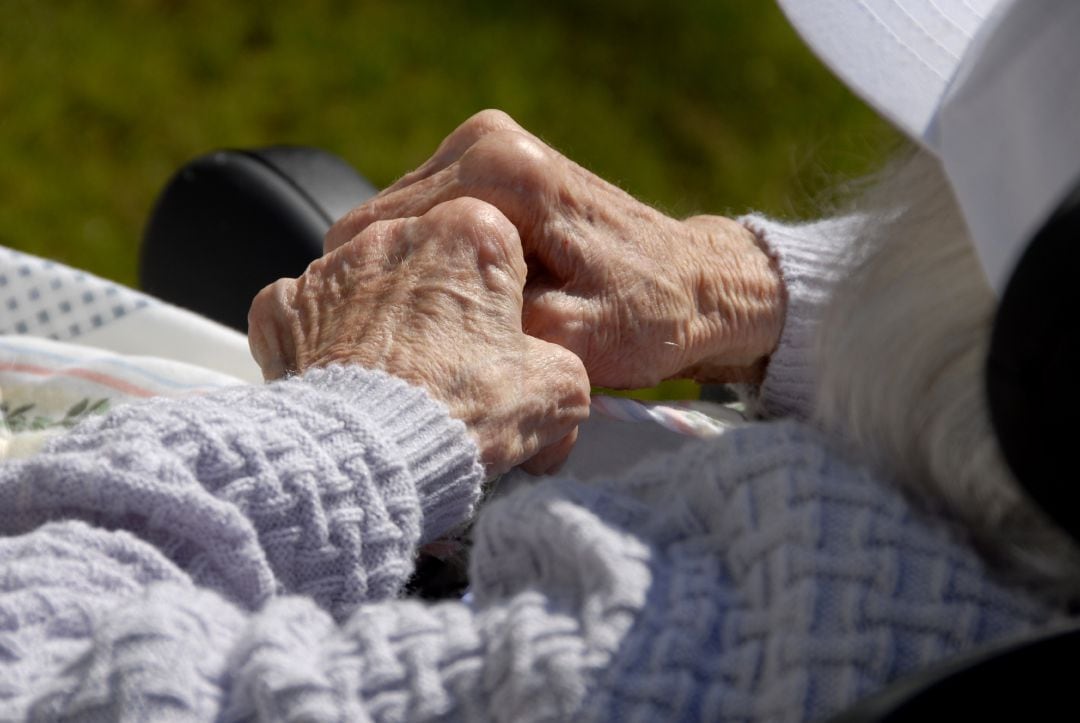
[[637, 295], [435, 300]]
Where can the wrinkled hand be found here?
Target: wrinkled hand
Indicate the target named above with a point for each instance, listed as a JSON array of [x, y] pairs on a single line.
[[637, 295], [437, 301]]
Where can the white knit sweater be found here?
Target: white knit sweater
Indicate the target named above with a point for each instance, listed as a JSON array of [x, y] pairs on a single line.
[[241, 556]]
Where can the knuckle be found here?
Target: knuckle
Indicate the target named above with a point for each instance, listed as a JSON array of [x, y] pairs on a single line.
[[488, 121], [271, 298], [470, 214], [471, 226], [491, 233], [483, 227], [511, 155], [462, 210], [377, 238], [377, 234]]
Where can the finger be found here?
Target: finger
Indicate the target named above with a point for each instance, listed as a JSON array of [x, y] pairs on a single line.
[[508, 169], [551, 458], [420, 198], [410, 202], [459, 141]]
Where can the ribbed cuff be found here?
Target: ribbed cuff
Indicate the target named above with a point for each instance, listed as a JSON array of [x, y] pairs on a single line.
[[811, 258], [436, 449]]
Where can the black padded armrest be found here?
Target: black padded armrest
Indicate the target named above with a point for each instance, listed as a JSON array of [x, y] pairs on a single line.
[[231, 222], [1034, 679]]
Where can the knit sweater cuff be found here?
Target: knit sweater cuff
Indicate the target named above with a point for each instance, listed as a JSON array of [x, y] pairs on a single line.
[[810, 257], [441, 457]]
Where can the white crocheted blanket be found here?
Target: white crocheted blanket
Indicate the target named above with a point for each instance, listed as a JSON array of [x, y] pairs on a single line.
[[73, 344]]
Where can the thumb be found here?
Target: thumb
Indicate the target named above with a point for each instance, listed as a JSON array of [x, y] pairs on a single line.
[[551, 458], [270, 329], [551, 314], [559, 376]]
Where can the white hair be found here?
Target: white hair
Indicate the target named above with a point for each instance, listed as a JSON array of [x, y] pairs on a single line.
[[902, 351]]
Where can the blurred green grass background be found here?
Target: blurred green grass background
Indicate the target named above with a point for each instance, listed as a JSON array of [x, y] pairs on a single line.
[[694, 106]]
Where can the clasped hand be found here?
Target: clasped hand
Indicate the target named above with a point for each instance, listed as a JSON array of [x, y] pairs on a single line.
[[504, 278]]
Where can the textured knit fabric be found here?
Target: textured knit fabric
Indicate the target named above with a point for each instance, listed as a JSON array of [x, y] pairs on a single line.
[[241, 556]]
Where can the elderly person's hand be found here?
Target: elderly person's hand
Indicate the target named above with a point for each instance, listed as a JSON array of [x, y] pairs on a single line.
[[638, 295], [435, 300]]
